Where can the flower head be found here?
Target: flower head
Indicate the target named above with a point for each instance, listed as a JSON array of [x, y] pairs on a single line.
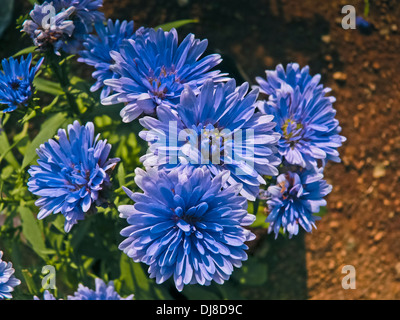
[[98, 47], [49, 33], [103, 292], [294, 200], [305, 117], [86, 15], [46, 296], [16, 82], [7, 279], [184, 226], [72, 173], [218, 129], [154, 69]]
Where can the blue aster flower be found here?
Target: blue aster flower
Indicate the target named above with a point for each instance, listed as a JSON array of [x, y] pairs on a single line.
[[364, 26], [72, 174], [184, 226], [218, 129], [85, 15], [98, 48], [49, 33], [7, 279], [87, 12], [305, 117], [294, 200], [103, 292], [154, 69], [46, 296], [292, 76], [16, 82]]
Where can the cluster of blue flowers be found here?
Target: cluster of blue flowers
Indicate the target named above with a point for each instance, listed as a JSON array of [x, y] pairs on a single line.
[[72, 174], [310, 137], [212, 144]]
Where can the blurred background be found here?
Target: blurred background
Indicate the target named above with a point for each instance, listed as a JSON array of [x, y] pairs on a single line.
[[362, 224]]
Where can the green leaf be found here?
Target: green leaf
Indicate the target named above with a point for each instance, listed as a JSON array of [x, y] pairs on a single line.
[[322, 211], [366, 8], [258, 208], [176, 24], [121, 175], [32, 232], [48, 86], [135, 279], [81, 230], [127, 273], [197, 292], [25, 51], [254, 272], [47, 131], [29, 282], [47, 108], [4, 150], [4, 153]]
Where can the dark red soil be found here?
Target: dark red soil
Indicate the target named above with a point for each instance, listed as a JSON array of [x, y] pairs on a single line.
[[362, 225]]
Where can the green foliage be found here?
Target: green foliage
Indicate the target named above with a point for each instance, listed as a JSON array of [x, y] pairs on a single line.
[[48, 86], [47, 131], [366, 8], [176, 24], [25, 51], [32, 232]]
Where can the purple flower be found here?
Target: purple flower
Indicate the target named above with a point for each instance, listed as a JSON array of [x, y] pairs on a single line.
[[294, 200], [72, 174], [98, 47], [86, 15], [305, 117], [49, 32], [185, 226], [218, 129], [103, 292], [46, 296], [7, 279], [153, 70], [16, 82]]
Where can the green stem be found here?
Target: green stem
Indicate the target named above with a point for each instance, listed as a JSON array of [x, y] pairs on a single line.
[[63, 79], [9, 201], [366, 8]]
